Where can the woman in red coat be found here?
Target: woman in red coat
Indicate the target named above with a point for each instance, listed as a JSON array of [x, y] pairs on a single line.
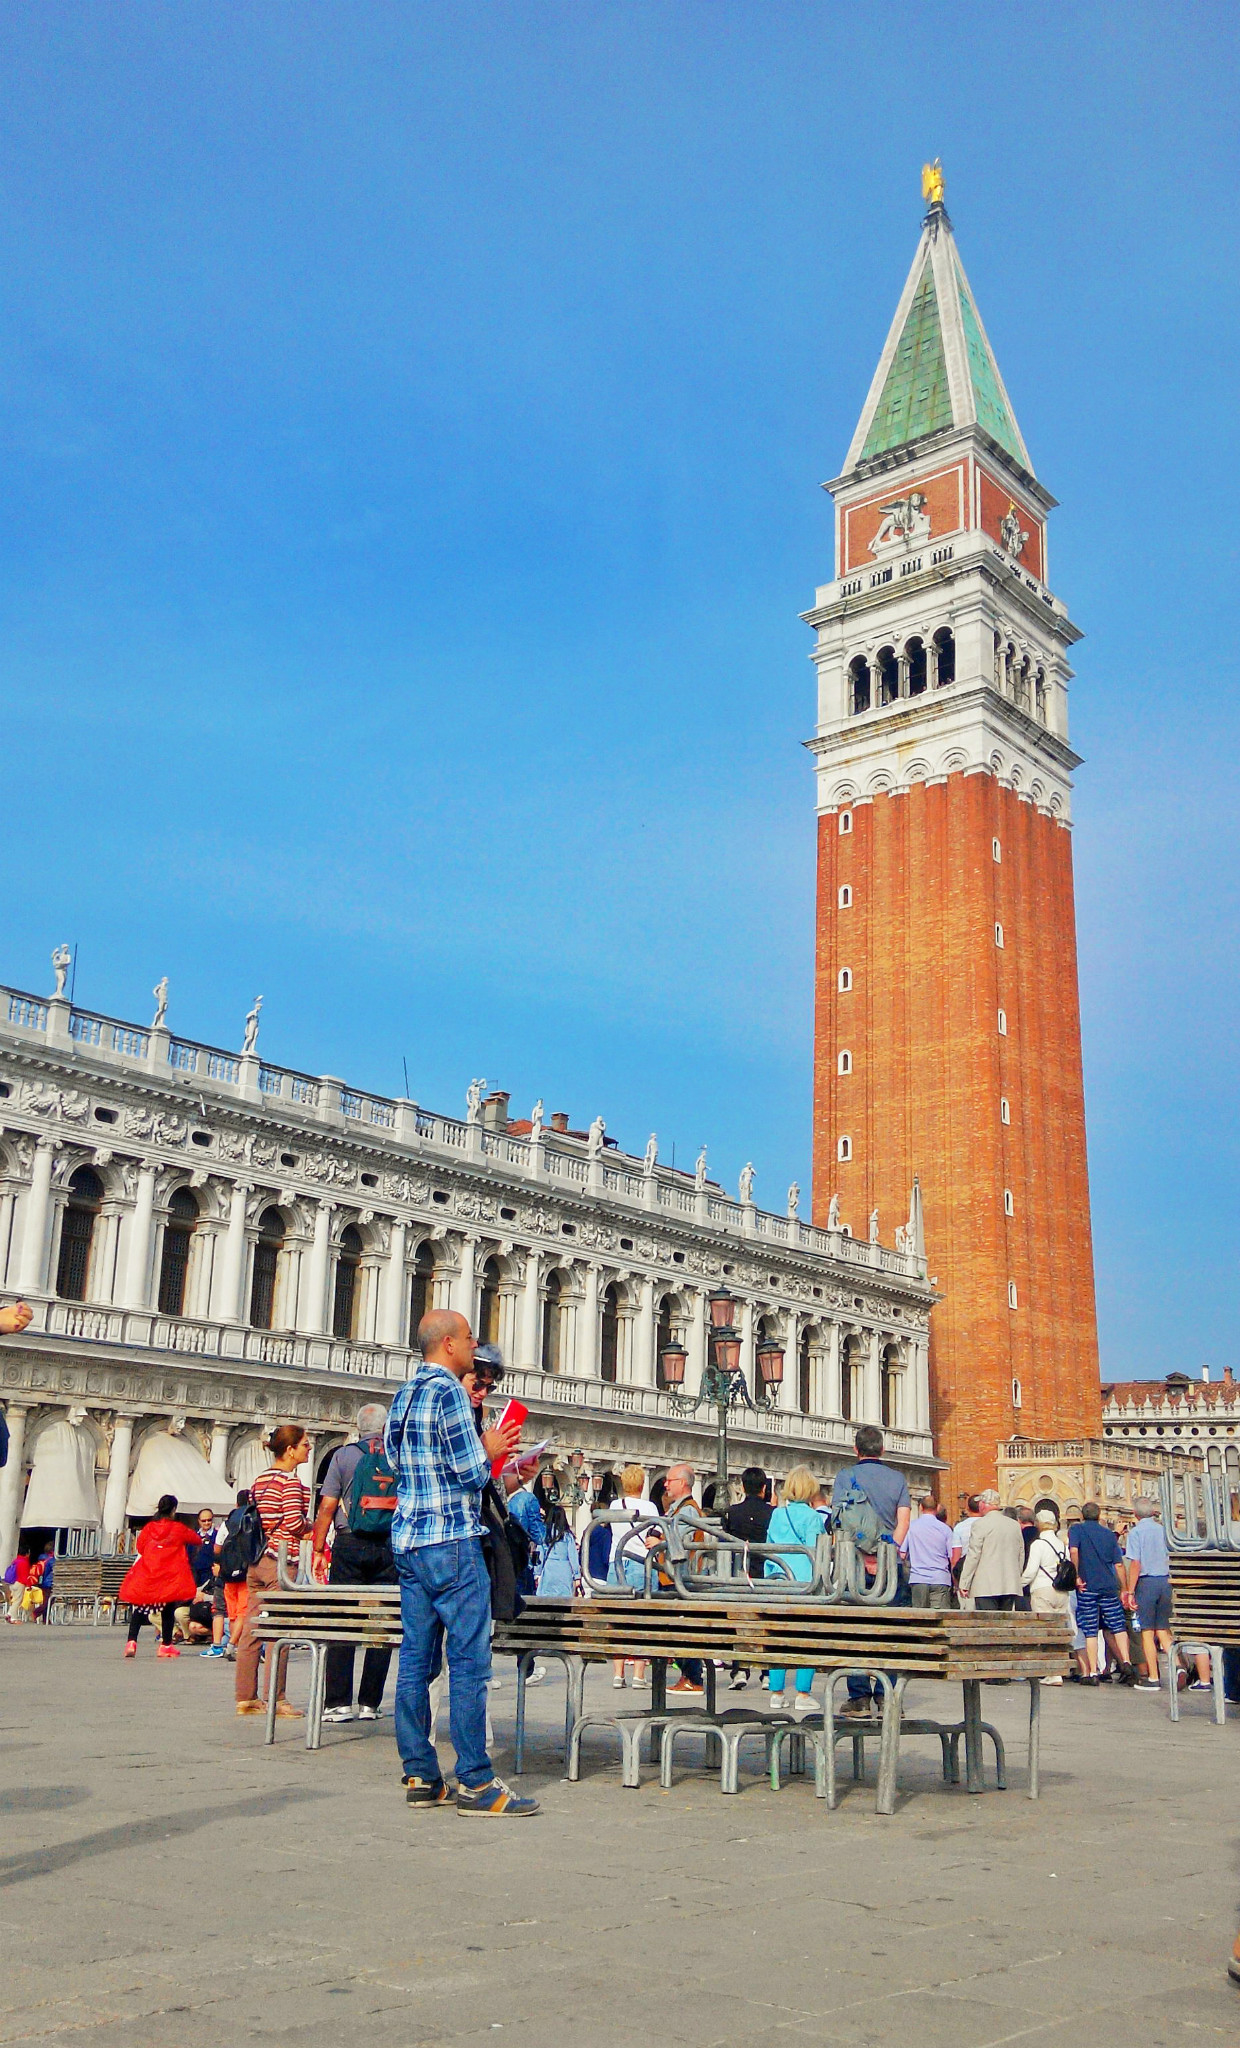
[[161, 1577]]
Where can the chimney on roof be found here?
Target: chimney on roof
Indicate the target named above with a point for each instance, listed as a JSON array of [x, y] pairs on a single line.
[[1227, 1376], [1205, 1374], [495, 1110], [559, 1119]]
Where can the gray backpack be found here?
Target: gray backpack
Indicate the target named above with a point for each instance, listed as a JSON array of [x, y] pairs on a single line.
[[856, 1518]]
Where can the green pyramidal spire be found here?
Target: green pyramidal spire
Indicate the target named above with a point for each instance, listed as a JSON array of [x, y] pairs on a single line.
[[937, 369]]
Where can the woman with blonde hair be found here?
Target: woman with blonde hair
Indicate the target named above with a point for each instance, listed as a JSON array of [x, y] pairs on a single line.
[[628, 1558], [795, 1520]]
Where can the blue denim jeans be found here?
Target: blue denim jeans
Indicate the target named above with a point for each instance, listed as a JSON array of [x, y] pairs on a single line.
[[445, 1604], [866, 1688]]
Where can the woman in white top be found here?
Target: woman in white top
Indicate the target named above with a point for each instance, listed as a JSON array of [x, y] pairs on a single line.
[[1046, 1552], [629, 1554]]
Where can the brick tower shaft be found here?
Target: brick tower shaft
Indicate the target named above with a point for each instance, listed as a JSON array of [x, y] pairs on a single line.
[[947, 1028]]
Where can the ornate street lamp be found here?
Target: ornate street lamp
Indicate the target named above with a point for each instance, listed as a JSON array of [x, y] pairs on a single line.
[[673, 1359], [770, 1357], [723, 1382]]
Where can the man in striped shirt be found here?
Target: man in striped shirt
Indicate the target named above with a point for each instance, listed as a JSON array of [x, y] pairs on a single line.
[[441, 1468]]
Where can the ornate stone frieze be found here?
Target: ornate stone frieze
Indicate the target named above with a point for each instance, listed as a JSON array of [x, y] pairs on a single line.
[[43, 1098], [157, 1126]]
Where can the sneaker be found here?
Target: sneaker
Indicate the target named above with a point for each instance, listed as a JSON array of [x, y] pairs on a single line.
[[1142, 1685], [1127, 1676], [230, 1656], [251, 1707], [216, 1650], [167, 1650], [494, 1799], [1202, 1685], [776, 1700], [130, 1650], [335, 1714], [738, 1681], [683, 1685], [805, 1703], [1052, 1681], [857, 1710], [370, 1713], [617, 1684], [537, 1675], [426, 1791]]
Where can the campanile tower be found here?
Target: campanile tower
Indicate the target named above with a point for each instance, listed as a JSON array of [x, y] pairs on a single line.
[[947, 1026]]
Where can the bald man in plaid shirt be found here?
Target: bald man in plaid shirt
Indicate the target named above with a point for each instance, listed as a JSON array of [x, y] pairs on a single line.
[[441, 1467]]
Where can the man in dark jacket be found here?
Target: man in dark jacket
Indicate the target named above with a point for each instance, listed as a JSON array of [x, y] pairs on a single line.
[[748, 1520]]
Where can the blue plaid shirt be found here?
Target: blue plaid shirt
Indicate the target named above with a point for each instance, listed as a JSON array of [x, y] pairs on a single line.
[[440, 1465]]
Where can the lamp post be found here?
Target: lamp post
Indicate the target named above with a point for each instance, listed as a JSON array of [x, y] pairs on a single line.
[[723, 1383]]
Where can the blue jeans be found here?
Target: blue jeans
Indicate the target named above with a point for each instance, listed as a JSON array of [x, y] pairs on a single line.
[[445, 1602]]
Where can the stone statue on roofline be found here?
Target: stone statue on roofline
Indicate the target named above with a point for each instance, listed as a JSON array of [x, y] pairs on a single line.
[[62, 960], [250, 1041], [594, 1142], [794, 1199], [160, 993], [833, 1214], [746, 1182], [699, 1171], [652, 1153], [536, 1121], [473, 1101], [874, 1226]]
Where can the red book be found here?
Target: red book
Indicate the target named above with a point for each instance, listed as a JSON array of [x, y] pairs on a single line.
[[514, 1411]]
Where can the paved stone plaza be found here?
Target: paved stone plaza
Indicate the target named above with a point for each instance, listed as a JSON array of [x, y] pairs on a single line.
[[169, 1881]]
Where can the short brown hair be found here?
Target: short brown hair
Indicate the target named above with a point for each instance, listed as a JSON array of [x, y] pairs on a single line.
[[284, 1437]]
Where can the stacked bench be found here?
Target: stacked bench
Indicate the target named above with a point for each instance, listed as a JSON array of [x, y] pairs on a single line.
[[1205, 1609]]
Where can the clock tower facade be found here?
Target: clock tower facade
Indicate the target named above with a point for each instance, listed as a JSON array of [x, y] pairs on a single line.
[[947, 1024]]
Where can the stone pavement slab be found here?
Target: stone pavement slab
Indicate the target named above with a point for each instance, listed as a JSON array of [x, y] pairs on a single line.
[[166, 1881]]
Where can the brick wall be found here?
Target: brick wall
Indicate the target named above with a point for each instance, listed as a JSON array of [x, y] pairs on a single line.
[[930, 1068]]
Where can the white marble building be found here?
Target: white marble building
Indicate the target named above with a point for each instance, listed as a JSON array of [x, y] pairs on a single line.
[[211, 1244]]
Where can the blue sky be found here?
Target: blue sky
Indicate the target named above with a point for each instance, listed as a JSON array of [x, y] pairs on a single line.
[[412, 423]]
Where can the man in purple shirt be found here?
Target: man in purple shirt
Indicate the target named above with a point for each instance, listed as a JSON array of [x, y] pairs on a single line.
[[930, 1548]]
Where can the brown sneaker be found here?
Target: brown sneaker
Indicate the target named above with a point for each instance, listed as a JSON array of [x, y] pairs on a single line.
[[284, 1712], [856, 1710], [250, 1707]]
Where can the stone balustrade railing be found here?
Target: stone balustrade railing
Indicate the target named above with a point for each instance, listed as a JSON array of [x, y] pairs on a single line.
[[331, 1104]]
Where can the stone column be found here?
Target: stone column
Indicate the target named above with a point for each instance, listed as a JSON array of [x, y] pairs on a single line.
[[137, 1286], [789, 1392], [228, 1307], [748, 1339], [644, 1360], [829, 1395], [11, 1490], [586, 1360], [696, 1347], [527, 1350], [218, 1456], [32, 1265], [314, 1315], [116, 1492], [392, 1294], [464, 1291], [871, 1397]]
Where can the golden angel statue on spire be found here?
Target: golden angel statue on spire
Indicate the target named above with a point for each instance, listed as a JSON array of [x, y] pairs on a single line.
[[932, 182]]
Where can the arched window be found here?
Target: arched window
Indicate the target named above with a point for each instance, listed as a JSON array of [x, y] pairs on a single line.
[[1039, 696], [915, 658], [858, 685], [1009, 1206], [552, 1316], [1003, 1030], [996, 850], [844, 1149], [1022, 684], [845, 824], [845, 896], [609, 1338], [843, 1064], [488, 1304], [1005, 1112], [421, 1290], [889, 1386], [944, 656], [850, 1377], [998, 935], [77, 1229], [888, 670], [804, 1374], [174, 1259], [266, 1264], [1012, 1301], [344, 1297], [662, 1337]]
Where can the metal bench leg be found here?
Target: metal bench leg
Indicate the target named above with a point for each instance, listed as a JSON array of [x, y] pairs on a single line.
[[1000, 1756], [889, 1745], [1173, 1678], [518, 1747], [572, 1769], [667, 1743], [974, 1776], [274, 1653], [630, 1758], [318, 1689], [730, 1760], [574, 1693], [954, 1746], [1035, 1734], [1216, 1674], [946, 1741]]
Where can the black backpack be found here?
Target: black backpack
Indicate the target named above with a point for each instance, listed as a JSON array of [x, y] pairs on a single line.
[[245, 1540], [1063, 1578], [506, 1550]]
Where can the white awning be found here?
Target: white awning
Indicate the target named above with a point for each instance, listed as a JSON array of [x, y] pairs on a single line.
[[170, 1464], [62, 1493], [249, 1459]]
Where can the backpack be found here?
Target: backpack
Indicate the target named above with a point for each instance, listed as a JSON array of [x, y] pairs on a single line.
[[372, 1492], [1063, 1578], [245, 1540], [856, 1518], [506, 1553]]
